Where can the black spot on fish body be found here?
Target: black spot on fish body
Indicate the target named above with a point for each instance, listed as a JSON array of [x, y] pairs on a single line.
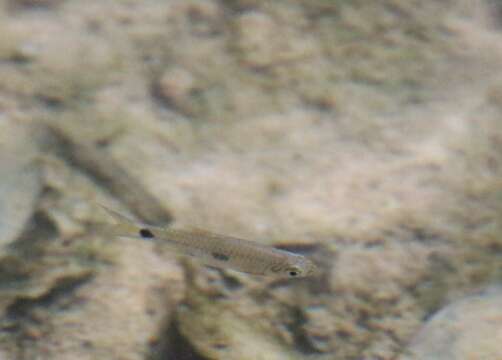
[[146, 234], [220, 256]]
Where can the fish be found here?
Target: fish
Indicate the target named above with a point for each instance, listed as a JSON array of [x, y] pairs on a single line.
[[217, 250]]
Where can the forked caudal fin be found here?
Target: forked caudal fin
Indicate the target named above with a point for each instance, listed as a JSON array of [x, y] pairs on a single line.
[[126, 227], [117, 217]]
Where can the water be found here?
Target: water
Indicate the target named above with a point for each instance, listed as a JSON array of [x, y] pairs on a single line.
[[363, 135]]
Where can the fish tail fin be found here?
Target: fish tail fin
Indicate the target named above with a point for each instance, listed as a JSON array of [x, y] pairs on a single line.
[[116, 216], [123, 226]]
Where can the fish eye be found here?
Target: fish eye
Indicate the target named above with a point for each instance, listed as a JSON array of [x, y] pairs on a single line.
[[293, 272]]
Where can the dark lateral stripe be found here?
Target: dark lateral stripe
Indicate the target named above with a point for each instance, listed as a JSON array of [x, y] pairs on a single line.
[[220, 256]]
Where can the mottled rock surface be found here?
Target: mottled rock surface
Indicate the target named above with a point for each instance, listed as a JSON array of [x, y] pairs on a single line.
[[365, 135], [468, 328], [20, 183]]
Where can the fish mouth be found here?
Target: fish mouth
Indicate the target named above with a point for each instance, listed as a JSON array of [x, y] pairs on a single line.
[[313, 269], [310, 269], [313, 272]]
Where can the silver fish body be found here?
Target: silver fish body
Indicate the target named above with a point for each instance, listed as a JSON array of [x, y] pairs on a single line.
[[219, 250]]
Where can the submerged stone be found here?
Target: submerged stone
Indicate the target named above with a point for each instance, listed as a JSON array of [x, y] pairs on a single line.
[[466, 329]]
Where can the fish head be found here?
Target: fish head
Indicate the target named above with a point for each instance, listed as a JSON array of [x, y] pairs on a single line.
[[296, 266]]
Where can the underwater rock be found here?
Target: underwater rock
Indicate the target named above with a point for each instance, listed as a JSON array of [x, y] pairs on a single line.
[[466, 329], [20, 183], [176, 86], [116, 315], [263, 41]]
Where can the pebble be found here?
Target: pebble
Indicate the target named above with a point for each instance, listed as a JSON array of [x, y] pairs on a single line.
[[175, 86], [466, 329]]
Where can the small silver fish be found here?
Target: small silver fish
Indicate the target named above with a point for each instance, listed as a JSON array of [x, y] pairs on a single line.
[[218, 250]]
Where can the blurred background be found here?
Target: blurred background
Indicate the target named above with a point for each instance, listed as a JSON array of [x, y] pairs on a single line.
[[366, 135]]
